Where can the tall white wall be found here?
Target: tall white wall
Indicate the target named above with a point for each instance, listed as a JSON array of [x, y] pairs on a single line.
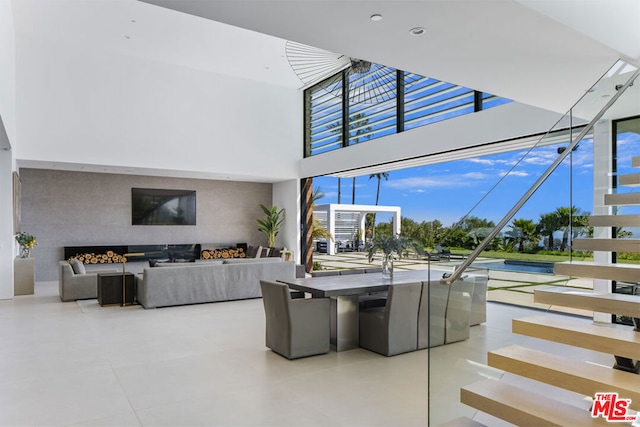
[[76, 105], [7, 141], [286, 194], [7, 72], [6, 226]]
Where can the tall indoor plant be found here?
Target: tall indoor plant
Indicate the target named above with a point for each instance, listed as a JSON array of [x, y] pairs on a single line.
[[391, 246], [272, 222]]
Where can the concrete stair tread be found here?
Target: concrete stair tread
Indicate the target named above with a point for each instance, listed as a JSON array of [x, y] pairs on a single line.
[[622, 199], [573, 375], [614, 220], [629, 180], [612, 339], [608, 245], [621, 272], [620, 304], [522, 407]]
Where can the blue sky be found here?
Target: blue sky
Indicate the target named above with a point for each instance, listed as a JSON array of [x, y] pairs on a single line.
[[448, 191]]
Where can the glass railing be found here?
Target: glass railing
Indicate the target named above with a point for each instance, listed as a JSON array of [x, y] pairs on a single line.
[[539, 202]]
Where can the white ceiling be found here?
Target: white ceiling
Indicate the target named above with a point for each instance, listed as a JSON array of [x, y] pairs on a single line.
[[502, 47], [516, 49]]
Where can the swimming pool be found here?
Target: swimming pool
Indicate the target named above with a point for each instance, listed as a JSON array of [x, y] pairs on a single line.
[[518, 266]]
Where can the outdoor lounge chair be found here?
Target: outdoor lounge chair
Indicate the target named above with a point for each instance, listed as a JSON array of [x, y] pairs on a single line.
[[443, 254]]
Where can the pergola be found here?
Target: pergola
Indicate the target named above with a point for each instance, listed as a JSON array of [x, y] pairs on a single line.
[[333, 209]]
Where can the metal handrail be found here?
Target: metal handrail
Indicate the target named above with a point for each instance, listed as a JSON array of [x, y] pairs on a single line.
[[467, 262]]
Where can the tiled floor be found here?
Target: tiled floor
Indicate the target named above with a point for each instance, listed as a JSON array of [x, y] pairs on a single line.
[[77, 363]]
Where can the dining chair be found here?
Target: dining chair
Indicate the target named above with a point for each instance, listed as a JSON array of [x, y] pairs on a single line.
[[295, 327], [431, 314], [392, 329], [322, 273], [352, 271], [444, 312]]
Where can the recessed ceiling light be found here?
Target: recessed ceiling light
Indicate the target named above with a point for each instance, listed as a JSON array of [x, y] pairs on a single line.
[[376, 17], [417, 31]]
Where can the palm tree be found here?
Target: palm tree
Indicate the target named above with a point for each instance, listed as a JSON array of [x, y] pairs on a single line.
[[566, 219], [549, 223], [379, 176], [523, 230]]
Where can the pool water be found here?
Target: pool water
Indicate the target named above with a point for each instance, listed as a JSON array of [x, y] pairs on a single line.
[[519, 266]]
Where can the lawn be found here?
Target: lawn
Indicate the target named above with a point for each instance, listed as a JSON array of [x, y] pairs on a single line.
[[588, 257]]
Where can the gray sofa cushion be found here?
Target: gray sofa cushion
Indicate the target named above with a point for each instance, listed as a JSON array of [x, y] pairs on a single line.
[[210, 261], [250, 260], [77, 266], [172, 264]]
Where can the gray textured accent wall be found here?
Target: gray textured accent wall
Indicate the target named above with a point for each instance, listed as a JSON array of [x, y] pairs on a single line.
[[78, 208]]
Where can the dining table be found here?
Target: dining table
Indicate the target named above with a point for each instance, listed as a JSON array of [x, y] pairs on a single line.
[[344, 292]]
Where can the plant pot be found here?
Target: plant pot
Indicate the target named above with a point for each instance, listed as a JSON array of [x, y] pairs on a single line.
[[25, 252]]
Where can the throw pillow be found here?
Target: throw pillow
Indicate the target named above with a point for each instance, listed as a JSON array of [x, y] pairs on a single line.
[[276, 252], [153, 262], [77, 266], [258, 252]]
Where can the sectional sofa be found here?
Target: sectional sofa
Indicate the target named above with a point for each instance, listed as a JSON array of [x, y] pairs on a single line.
[[208, 280]]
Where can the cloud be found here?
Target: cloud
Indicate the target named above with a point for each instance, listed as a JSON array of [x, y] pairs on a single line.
[[476, 175], [414, 182], [514, 173], [488, 162]]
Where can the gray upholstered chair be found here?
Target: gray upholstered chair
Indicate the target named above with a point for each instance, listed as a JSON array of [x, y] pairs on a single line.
[[459, 311], [444, 312], [81, 285], [392, 329], [479, 301], [323, 273], [351, 271], [431, 314], [373, 299], [295, 327]]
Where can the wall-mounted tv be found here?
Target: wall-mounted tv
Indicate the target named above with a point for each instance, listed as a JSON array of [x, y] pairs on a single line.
[[153, 206]]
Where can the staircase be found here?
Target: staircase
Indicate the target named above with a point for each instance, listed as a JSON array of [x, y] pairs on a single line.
[[523, 407]]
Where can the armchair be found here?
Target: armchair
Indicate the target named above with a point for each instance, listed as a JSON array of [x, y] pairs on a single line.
[[74, 286], [295, 327], [392, 329]]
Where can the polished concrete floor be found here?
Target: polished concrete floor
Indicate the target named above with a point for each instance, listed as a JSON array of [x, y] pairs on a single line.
[[77, 363]]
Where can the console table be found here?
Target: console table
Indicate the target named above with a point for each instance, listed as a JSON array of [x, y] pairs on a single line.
[[110, 289], [23, 276]]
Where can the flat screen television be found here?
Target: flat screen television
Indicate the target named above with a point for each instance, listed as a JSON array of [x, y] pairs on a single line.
[[153, 206]]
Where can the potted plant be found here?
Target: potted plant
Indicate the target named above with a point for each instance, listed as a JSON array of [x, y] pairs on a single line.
[[26, 242], [272, 222], [391, 246]]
